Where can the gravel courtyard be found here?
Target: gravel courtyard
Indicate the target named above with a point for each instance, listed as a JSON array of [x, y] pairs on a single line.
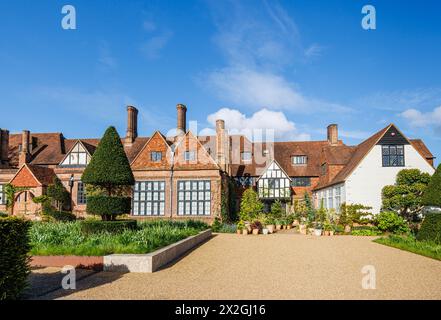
[[279, 266]]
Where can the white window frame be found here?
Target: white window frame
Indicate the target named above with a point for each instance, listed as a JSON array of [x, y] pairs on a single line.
[[299, 160], [194, 197], [149, 198]]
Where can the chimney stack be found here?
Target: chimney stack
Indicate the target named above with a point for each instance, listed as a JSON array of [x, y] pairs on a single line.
[[222, 148], [333, 134], [24, 153], [132, 125], [4, 146], [182, 119]]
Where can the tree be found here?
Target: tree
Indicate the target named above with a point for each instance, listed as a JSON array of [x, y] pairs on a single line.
[[432, 194], [405, 196], [110, 177], [277, 209], [354, 213], [58, 193], [250, 205], [310, 212]]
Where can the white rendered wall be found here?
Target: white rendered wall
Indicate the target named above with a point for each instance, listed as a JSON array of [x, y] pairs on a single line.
[[365, 183]]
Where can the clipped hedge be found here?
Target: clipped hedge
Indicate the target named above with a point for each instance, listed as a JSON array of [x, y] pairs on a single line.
[[108, 206], [96, 226], [14, 259], [431, 228]]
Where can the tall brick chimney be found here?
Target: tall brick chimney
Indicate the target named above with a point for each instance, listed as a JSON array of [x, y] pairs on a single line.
[[333, 134], [222, 145], [24, 155], [132, 125], [4, 146], [182, 119]]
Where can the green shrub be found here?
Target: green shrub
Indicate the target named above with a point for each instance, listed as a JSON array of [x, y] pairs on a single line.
[[409, 243], [431, 228], [250, 205], [108, 206], [3, 215], [367, 231], [117, 226], [68, 239], [277, 209], [432, 195], [14, 259], [389, 221]]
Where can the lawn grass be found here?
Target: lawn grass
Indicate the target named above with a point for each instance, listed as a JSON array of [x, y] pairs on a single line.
[[66, 238], [409, 243]]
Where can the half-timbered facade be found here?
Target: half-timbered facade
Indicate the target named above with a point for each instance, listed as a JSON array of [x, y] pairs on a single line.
[[185, 175]]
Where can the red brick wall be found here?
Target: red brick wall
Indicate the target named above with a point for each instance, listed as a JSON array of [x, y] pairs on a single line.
[[144, 160], [24, 179]]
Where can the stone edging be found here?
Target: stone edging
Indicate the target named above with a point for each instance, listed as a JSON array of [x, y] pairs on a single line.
[[151, 262]]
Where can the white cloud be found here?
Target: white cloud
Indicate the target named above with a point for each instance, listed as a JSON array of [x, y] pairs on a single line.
[[400, 100], [259, 47], [313, 51], [420, 119], [105, 57], [149, 26], [261, 125], [104, 105], [152, 47]]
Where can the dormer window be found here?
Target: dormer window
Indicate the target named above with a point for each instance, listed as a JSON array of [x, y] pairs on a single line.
[[156, 156], [299, 160], [189, 155], [324, 168], [245, 156]]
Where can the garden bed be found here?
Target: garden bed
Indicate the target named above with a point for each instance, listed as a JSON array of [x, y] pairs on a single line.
[[428, 249], [67, 239]]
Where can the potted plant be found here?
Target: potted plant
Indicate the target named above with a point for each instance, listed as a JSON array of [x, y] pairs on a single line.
[[327, 229], [279, 224], [331, 230], [265, 231], [256, 226], [240, 227], [318, 228], [270, 224]]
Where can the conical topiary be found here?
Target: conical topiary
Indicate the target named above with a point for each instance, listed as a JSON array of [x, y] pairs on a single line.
[[432, 195], [109, 165]]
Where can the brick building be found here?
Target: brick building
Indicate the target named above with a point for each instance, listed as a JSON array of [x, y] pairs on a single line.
[[186, 175]]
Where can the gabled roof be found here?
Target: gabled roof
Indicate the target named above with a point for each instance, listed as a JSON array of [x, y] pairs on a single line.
[[269, 165], [89, 149], [33, 176]]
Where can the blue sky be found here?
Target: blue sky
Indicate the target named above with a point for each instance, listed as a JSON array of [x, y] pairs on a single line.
[[295, 66]]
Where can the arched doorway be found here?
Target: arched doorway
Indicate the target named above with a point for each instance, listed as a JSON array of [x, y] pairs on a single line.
[[23, 205]]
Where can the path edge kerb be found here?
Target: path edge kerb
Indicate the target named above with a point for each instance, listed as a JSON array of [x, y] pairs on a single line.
[[151, 262]]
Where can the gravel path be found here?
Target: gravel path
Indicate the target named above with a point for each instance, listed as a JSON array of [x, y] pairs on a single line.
[[279, 266]]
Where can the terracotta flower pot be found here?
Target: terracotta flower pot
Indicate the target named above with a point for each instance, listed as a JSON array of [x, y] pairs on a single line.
[[347, 229], [326, 233], [239, 231], [255, 231], [302, 229], [244, 232], [278, 227], [270, 228], [331, 233], [288, 227]]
